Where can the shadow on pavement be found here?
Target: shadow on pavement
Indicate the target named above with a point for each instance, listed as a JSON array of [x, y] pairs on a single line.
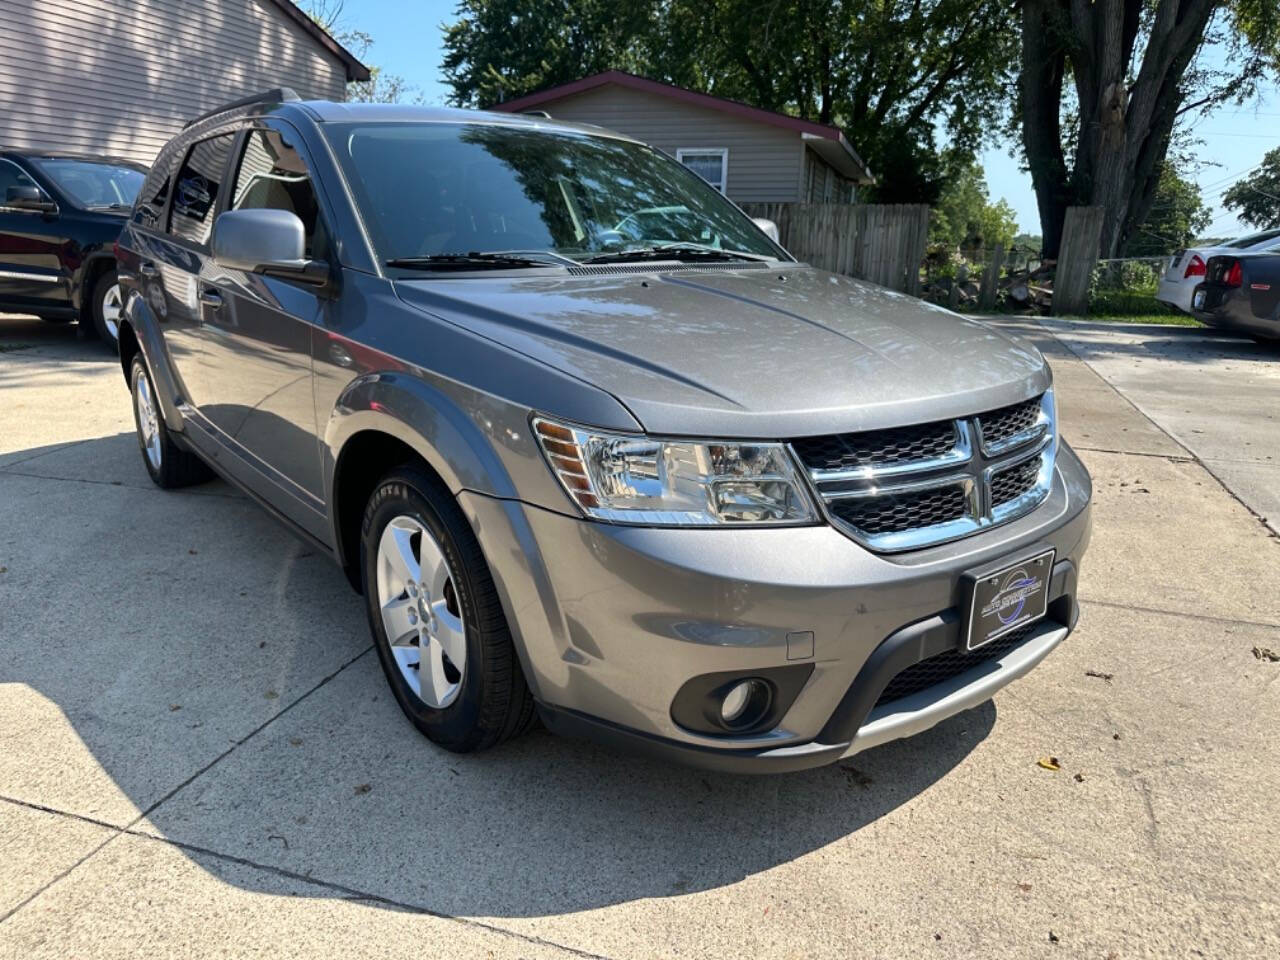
[[206, 646]]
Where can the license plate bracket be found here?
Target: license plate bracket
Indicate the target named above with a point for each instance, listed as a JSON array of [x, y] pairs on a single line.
[[1005, 596]]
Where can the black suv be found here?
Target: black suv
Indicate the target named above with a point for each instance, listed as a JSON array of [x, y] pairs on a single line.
[[59, 216]]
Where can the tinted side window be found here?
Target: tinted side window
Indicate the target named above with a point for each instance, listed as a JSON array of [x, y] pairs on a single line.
[[273, 176], [154, 194], [195, 191]]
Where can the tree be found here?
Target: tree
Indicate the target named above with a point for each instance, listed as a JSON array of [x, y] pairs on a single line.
[[1134, 71], [1176, 217], [380, 87], [1257, 196], [966, 218], [895, 74]]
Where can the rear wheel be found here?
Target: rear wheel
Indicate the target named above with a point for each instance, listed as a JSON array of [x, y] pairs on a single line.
[[169, 465], [437, 623], [107, 306]]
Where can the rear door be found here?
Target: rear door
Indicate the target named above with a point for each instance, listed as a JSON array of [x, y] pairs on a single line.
[[180, 258], [34, 274], [255, 335]]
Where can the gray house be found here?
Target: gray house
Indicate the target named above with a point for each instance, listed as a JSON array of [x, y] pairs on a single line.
[[120, 77], [750, 155]]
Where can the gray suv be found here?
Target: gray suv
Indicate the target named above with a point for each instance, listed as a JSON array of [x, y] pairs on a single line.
[[593, 446]]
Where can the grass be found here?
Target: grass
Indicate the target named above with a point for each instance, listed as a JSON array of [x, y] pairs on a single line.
[[1158, 319]]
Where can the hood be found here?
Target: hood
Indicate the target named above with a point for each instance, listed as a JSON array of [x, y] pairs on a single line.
[[755, 353]]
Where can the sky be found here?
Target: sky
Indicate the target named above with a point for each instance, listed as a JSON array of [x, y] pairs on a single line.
[[407, 41]]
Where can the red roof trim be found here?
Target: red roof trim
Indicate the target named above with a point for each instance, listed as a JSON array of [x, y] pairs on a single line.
[[355, 69], [646, 85]]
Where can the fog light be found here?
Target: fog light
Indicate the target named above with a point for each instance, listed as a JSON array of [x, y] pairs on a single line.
[[745, 703], [736, 701]]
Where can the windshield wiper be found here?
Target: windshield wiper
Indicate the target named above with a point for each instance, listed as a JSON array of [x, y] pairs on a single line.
[[674, 251], [466, 261]]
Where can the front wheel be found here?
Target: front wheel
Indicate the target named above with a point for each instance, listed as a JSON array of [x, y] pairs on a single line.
[[436, 619], [168, 464]]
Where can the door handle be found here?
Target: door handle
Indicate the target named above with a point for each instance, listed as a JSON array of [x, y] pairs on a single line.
[[211, 298], [148, 270]]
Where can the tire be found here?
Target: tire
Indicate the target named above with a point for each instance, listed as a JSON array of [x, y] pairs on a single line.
[[105, 308], [168, 464], [481, 702]]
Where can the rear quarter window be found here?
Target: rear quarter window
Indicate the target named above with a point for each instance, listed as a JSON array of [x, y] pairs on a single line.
[[195, 188]]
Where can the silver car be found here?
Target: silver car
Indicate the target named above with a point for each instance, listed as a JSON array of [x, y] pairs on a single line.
[[675, 491]]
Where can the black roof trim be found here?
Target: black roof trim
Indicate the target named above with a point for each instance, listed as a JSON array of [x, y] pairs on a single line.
[[278, 95]]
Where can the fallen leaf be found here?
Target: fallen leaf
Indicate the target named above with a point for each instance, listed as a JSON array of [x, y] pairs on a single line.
[[192, 552], [1115, 736], [1100, 675], [4, 569], [1267, 654], [271, 695], [1078, 778], [1049, 763], [1024, 887], [937, 936], [295, 741], [1053, 937], [173, 707], [363, 788]]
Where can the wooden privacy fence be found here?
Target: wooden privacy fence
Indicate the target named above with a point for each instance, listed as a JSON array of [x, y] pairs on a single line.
[[883, 243]]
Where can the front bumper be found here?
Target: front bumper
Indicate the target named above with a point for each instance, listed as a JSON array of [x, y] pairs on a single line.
[[611, 622]]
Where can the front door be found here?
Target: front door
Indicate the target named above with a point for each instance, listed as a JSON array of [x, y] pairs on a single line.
[[34, 276], [256, 334]]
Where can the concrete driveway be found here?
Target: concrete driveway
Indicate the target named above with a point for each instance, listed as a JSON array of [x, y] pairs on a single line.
[[198, 755]]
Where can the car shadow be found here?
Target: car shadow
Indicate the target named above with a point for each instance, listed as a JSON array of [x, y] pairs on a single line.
[[228, 692]]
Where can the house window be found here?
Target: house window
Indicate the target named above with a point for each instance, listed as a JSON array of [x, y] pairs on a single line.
[[710, 163]]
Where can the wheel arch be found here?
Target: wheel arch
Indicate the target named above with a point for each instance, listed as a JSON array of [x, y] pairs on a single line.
[[383, 420], [94, 266]]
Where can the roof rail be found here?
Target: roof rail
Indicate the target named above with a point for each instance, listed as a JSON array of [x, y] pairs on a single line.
[[536, 113], [278, 95]]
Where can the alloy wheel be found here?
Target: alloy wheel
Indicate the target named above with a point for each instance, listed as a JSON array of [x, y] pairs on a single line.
[[148, 420], [420, 611], [112, 305]]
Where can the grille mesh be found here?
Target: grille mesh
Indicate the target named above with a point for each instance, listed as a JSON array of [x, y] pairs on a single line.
[[1012, 483], [845, 451], [893, 513], [950, 663], [1009, 421]]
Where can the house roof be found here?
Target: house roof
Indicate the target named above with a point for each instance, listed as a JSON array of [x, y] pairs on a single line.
[[355, 69], [828, 141]]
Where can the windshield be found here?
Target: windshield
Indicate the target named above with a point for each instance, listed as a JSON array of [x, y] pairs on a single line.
[[93, 183], [431, 189]]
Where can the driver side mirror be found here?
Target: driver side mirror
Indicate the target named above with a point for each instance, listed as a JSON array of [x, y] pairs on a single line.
[[270, 242], [768, 228], [28, 197]]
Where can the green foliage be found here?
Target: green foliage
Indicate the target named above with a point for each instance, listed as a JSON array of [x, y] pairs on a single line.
[[1177, 215], [1257, 197], [965, 217], [897, 75]]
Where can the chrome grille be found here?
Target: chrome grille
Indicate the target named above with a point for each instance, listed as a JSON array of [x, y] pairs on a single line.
[[844, 451], [1013, 482], [914, 486], [1011, 426], [905, 511]]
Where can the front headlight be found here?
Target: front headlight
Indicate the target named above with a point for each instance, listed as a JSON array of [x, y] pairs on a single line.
[[626, 478]]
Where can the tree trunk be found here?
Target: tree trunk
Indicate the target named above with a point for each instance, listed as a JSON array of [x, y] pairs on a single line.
[[1123, 131], [1043, 63]]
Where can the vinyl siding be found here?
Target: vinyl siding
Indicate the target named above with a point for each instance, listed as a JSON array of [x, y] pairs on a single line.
[[764, 161], [121, 77]]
